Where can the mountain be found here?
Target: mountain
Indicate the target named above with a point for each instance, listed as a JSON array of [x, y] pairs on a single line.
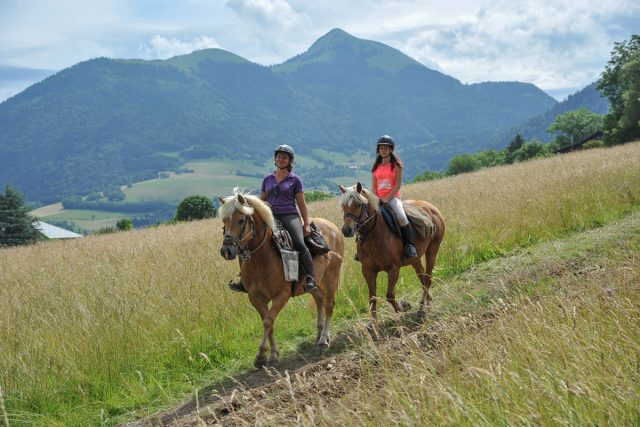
[[108, 122], [536, 127]]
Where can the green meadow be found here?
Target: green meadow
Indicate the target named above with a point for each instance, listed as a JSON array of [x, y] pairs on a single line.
[[100, 330], [211, 178]]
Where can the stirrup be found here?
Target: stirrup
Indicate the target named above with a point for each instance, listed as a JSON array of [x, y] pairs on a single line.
[[236, 284], [410, 251], [309, 285]]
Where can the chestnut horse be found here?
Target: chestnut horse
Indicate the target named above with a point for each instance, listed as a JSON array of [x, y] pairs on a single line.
[[248, 230], [379, 249]]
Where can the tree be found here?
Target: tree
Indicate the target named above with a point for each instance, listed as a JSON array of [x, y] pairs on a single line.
[[427, 176], [514, 146], [577, 124], [462, 163], [124, 224], [195, 207], [620, 81], [530, 150], [16, 226], [517, 142]]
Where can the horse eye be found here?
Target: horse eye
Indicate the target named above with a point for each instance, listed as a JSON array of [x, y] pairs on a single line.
[[241, 221]]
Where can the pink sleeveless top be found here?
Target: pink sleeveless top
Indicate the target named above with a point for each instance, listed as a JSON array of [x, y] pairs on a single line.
[[385, 180]]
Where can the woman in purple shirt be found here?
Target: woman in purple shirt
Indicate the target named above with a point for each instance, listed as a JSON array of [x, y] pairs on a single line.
[[283, 190]]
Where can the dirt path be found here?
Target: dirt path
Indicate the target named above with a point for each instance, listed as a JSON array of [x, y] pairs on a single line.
[[290, 390]]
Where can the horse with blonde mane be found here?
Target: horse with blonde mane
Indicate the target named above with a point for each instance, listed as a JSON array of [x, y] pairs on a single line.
[[379, 249], [248, 231]]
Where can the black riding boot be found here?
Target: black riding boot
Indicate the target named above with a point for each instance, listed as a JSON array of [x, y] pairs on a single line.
[[307, 264], [409, 244], [236, 284]]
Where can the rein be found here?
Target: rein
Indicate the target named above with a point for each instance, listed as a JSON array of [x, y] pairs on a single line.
[[244, 253], [364, 213]]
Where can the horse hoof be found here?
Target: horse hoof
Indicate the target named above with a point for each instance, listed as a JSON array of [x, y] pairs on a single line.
[[260, 362], [419, 316], [273, 363], [322, 345]]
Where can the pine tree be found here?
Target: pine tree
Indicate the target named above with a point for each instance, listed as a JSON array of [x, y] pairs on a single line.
[[16, 226]]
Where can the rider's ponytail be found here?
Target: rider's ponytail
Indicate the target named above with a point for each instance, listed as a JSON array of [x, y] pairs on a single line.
[[395, 160]]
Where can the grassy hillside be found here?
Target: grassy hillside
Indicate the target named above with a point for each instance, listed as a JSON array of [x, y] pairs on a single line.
[[96, 329], [546, 337], [215, 177]]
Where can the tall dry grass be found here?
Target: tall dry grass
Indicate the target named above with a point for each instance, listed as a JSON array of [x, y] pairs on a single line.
[[553, 341], [568, 358], [95, 328]]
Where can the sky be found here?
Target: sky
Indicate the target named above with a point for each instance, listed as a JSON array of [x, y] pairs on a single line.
[[560, 46]]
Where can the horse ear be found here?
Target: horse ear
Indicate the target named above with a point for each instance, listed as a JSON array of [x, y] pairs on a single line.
[[221, 200], [344, 190], [242, 200], [359, 187]]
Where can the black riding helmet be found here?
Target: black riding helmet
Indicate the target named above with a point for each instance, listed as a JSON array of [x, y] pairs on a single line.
[[284, 149], [385, 140]]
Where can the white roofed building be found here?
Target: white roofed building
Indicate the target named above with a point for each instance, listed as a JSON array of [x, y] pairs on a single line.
[[53, 232]]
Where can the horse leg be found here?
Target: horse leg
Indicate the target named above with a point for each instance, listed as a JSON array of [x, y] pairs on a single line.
[[398, 306], [425, 277], [425, 280], [370, 277], [320, 316], [263, 309], [277, 305]]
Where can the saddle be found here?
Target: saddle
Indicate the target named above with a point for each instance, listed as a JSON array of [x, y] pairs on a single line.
[[316, 244], [421, 224]]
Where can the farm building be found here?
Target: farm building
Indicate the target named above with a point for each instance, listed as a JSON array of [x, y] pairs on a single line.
[[597, 135], [53, 232]]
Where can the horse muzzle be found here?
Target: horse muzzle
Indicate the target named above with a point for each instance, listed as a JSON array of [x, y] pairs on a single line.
[[348, 230], [229, 252]]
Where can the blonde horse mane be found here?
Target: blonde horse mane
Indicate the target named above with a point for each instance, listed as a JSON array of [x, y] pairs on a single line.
[[232, 203], [366, 197]]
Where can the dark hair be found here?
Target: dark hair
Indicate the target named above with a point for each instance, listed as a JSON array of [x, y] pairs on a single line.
[[395, 161]]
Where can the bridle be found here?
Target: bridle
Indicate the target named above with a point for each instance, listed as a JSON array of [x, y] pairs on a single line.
[[241, 242], [362, 220]]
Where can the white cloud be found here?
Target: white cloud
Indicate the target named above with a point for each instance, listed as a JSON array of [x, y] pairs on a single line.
[[161, 47], [559, 46], [267, 12]]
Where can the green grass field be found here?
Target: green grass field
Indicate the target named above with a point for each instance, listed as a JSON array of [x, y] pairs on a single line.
[[211, 178], [98, 330]]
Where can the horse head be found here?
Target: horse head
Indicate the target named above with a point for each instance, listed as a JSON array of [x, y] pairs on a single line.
[[355, 202], [239, 214], [238, 224]]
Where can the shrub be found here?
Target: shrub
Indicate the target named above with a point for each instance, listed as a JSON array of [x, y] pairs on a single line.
[[194, 208], [124, 224], [105, 230], [316, 195]]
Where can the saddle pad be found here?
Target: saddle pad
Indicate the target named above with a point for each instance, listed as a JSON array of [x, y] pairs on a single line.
[[422, 224]]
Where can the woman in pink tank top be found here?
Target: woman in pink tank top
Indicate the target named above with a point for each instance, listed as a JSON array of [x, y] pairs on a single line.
[[386, 180]]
